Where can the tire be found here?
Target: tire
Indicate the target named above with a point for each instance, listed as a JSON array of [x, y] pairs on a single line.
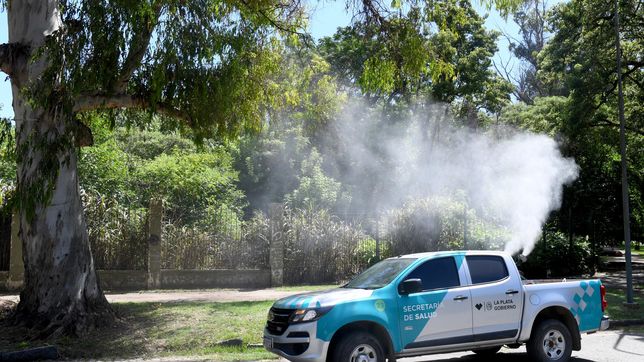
[[550, 341], [358, 346], [487, 352]]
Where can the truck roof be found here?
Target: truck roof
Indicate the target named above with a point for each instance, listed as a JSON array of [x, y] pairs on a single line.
[[452, 253]]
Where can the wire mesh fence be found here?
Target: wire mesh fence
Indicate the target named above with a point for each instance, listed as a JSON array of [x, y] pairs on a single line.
[[223, 242], [322, 248], [118, 235], [318, 246]]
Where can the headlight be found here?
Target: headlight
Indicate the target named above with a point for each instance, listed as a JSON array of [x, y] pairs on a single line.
[[308, 315]]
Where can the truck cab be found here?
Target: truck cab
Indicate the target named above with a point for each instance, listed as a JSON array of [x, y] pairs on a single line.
[[437, 302]]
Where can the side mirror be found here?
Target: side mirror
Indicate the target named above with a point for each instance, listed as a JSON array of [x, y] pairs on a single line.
[[410, 286]]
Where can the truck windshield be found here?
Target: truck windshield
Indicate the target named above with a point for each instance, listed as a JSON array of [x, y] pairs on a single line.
[[380, 274]]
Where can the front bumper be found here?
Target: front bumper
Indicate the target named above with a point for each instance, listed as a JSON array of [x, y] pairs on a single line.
[[605, 323], [296, 348]]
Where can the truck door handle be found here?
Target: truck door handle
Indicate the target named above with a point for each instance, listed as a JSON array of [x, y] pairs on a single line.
[[511, 291], [460, 297]]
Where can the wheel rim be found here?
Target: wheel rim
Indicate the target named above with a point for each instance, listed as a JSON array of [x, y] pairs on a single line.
[[363, 353], [554, 344]]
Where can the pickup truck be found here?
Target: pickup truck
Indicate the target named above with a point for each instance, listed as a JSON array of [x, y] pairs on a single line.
[[437, 302]]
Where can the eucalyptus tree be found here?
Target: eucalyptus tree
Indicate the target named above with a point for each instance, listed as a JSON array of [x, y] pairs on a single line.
[[203, 64], [531, 17]]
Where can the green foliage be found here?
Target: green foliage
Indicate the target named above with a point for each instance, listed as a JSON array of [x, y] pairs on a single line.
[[372, 251], [437, 49], [7, 162], [207, 64], [104, 169], [191, 183], [577, 69], [547, 115], [149, 144], [437, 223], [556, 257], [270, 163], [316, 190]]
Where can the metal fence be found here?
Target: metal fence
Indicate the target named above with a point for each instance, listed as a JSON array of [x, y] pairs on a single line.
[[222, 242], [118, 235], [321, 248]]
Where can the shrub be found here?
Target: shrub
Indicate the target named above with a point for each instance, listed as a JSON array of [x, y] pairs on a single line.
[[556, 258], [436, 223]]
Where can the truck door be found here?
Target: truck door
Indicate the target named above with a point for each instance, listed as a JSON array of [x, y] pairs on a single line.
[[497, 298], [441, 314]]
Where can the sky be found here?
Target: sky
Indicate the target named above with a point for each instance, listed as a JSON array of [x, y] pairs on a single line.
[[326, 17]]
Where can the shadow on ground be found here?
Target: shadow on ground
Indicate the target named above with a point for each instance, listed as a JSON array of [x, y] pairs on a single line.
[[158, 329], [500, 357]]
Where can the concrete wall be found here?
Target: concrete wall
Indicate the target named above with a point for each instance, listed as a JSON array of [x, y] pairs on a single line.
[[123, 279], [185, 279], [157, 278], [175, 279]]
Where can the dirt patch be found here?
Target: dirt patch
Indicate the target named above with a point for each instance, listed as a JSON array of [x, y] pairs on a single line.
[[212, 295], [6, 306]]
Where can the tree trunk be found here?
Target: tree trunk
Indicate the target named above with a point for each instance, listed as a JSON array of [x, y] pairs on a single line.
[[61, 293]]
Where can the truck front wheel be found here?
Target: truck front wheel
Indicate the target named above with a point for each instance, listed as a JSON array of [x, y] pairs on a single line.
[[550, 341], [358, 347]]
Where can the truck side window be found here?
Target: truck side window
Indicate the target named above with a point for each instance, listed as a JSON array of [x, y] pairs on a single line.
[[438, 273], [486, 268]]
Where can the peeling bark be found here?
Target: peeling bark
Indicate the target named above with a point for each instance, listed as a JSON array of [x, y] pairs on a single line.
[[61, 292]]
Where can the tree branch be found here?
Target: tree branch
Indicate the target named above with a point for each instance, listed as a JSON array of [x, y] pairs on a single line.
[[9, 53], [604, 97], [138, 47], [278, 25], [86, 103], [607, 123]]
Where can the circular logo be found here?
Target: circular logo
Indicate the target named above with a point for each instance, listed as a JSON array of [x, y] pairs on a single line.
[[380, 305]]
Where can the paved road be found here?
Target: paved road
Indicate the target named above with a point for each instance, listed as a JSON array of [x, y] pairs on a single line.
[[608, 346], [613, 346]]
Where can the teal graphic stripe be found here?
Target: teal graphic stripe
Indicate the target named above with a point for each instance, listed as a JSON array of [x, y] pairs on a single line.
[[417, 311], [586, 305]]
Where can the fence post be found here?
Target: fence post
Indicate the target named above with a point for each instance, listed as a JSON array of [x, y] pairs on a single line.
[[276, 251], [16, 264], [465, 226], [155, 214], [378, 238]]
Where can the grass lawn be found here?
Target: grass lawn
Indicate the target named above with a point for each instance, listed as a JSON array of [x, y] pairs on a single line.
[[616, 309], [167, 329], [147, 330], [634, 251]]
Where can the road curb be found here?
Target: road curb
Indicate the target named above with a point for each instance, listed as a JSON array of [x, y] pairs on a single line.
[[626, 322]]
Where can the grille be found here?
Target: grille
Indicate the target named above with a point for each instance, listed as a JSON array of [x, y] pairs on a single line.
[[278, 325]]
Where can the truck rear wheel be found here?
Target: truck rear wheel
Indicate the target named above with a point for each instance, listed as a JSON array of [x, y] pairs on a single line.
[[359, 347], [551, 341]]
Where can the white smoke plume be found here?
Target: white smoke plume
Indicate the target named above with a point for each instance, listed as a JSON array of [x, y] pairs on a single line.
[[517, 177]]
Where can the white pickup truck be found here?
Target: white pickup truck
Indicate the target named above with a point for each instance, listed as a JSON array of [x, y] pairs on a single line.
[[436, 303]]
